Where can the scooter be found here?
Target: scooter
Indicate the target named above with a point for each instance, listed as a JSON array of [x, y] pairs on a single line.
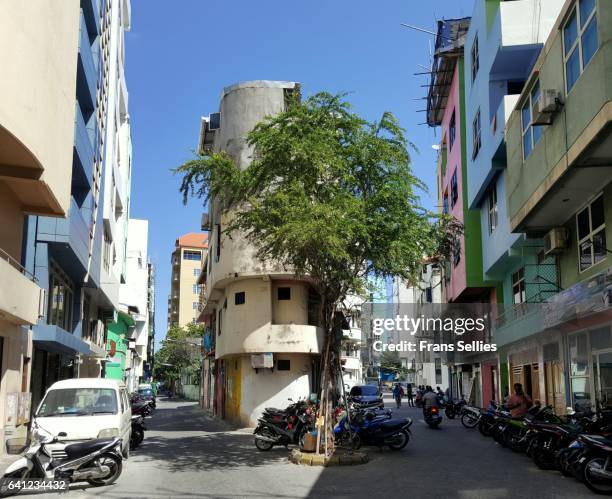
[[98, 462], [138, 429], [593, 465], [283, 427], [433, 417], [373, 428]]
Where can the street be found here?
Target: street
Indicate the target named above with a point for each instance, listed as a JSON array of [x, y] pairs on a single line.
[[186, 454]]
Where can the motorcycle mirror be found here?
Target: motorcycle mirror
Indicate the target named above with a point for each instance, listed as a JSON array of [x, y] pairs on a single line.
[[62, 434]]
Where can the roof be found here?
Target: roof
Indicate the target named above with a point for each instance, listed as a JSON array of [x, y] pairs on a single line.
[[87, 383], [193, 240]]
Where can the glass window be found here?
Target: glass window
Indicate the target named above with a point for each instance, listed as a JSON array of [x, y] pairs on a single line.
[[192, 255], [454, 189], [194, 305], [580, 40], [492, 197], [457, 252], [61, 297], [196, 272], [476, 135], [531, 133], [240, 298], [518, 287], [591, 234], [78, 401], [452, 130], [475, 58], [445, 203], [579, 359]]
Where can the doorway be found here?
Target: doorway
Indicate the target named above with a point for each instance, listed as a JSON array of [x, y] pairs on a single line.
[[602, 371]]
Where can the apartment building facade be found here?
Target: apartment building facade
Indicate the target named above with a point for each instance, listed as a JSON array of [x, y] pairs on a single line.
[[189, 254], [37, 115], [260, 318], [559, 179]]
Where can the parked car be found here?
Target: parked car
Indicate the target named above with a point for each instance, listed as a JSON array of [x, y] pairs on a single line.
[[83, 409], [366, 396]]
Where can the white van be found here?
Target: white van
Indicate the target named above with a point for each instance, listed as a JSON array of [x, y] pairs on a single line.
[[84, 409]]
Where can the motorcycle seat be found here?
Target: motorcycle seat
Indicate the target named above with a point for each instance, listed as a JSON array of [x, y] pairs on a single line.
[[74, 451], [597, 440]]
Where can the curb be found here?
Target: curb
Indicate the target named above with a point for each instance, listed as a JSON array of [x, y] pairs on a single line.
[[337, 459]]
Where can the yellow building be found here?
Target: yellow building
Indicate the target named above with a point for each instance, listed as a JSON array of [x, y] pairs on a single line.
[[37, 116], [187, 257]]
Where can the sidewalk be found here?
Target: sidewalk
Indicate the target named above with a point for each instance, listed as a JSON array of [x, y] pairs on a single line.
[[6, 460]]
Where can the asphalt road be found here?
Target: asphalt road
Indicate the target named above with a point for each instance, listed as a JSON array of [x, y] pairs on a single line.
[[187, 455]]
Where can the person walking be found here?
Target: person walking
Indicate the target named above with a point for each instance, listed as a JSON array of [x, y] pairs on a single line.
[[398, 393], [409, 395]]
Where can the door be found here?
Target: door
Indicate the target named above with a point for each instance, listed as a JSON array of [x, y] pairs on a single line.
[[602, 371], [126, 417], [553, 379]]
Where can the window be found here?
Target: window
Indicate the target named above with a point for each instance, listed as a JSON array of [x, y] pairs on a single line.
[[196, 272], [284, 293], [454, 189], [61, 297], [531, 133], [192, 255], [579, 370], [518, 286], [239, 298], [219, 322], [438, 367], [218, 242], [452, 130], [194, 305], [580, 40], [457, 252], [591, 233], [429, 294], [283, 365], [492, 198], [445, 204], [106, 251], [196, 289], [475, 61], [476, 135]]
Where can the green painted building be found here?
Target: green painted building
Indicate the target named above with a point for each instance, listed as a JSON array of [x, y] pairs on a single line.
[[117, 346]]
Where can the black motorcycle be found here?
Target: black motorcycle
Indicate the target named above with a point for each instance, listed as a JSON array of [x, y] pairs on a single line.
[[454, 408], [376, 428], [593, 463], [283, 427], [138, 429], [432, 417]]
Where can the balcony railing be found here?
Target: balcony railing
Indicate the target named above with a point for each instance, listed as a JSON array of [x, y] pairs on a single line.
[[14, 263]]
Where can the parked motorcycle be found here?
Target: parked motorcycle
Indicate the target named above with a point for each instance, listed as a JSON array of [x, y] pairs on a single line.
[[284, 427], [98, 462], [470, 416], [372, 428], [433, 417], [141, 408], [593, 463], [454, 408], [138, 429]]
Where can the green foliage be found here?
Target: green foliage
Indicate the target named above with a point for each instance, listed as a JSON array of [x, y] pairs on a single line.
[[329, 195], [390, 361], [179, 353]]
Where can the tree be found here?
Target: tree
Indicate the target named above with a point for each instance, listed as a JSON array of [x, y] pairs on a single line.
[[331, 197], [179, 354]]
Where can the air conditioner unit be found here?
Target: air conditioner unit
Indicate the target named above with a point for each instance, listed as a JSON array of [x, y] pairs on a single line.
[[556, 240], [546, 106]]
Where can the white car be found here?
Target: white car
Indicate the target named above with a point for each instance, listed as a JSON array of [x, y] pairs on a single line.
[[84, 409]]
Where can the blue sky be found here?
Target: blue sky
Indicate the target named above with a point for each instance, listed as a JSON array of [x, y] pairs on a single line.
[[180, 55]]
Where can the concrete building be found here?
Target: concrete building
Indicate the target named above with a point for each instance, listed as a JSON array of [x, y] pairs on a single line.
[[184, 301], [134, 297], [501, 46], [37, 113], [559, 188], [261, 318], [350, 355], [71, 257]]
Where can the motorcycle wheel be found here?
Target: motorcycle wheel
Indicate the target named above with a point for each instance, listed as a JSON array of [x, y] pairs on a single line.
[[485, 428], [543, 459], [596, 484], [263, 445], [514, 441], [562, 462], [114, 463], [400, 440], [21, 474], [136, 439], [450, 413], [469, 420]]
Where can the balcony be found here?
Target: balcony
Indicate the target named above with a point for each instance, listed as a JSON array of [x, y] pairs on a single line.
[[353, 335], [83, 156], [521, 27], [87, 75], [350, 363], [20, 296]]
